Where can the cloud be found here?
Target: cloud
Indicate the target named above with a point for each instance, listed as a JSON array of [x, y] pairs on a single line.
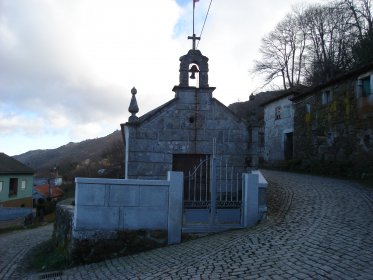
[[81, 58], [12, 123], [67, 67]]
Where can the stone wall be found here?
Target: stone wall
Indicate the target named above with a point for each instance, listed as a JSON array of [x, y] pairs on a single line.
[[96, 239], [63, 226], [112, 217], [335, 131], [109, 205], [101, 245], [185, 125]]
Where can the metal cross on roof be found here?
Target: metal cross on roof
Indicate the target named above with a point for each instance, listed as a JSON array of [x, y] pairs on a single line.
[[194, 38]]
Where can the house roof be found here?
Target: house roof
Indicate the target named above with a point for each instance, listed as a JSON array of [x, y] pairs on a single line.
[[44, 190], [9, 165], [284, 93], [343, 77]]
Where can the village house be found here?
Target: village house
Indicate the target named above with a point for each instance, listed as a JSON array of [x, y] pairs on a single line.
[[16, 181], [252, 111], [278, 126], [333, 122]]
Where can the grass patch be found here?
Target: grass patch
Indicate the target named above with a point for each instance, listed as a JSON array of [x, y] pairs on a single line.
[[46, 257]]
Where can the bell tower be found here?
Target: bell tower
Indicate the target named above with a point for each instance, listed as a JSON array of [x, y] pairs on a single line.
[[194, 62]]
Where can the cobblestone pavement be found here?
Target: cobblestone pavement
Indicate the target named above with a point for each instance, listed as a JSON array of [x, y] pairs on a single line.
[[14, 246], [318, 228]]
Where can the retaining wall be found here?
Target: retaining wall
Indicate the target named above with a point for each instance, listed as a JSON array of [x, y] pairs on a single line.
[[114, 217]]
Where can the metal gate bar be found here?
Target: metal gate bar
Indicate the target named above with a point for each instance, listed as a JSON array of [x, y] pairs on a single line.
[[205, 179]]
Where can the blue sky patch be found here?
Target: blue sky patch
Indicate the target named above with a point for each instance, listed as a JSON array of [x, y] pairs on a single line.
[[183, 2]]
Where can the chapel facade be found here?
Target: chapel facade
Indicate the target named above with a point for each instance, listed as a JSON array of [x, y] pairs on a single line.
[[189, 128]]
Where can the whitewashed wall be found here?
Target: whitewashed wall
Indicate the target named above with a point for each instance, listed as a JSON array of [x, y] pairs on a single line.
[[275, 130], [118, 204]]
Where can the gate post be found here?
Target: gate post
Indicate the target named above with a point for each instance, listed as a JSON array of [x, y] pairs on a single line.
[[175, 206], [251, 204], [213, 189]]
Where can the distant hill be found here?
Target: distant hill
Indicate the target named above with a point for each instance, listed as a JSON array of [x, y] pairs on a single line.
[[74, 155]]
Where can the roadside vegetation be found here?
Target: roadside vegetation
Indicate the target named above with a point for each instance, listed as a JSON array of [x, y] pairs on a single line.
[[46, 257]]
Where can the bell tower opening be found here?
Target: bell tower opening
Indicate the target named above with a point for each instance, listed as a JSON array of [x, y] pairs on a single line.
[[194, 75]]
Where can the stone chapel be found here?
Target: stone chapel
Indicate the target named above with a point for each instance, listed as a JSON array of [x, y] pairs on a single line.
[[190, 127]]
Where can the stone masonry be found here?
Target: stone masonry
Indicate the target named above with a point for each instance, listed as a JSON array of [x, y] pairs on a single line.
[[334, 122], [187, 124]]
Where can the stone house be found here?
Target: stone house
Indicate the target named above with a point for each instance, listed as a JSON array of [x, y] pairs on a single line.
[[252, 112], [333, 122], [278, 125], [185, 130], [278, 128], [16, 181]]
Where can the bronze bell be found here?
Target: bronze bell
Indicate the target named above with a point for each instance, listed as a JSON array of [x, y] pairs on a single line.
[[193, 70]]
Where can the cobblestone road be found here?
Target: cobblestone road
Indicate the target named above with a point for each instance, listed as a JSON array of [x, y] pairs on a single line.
[[318, 228], [14, 246]]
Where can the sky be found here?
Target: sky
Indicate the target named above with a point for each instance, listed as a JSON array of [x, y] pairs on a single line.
[[67, 67]]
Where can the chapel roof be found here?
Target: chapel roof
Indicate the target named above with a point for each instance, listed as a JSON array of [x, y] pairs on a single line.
[[149, 115]]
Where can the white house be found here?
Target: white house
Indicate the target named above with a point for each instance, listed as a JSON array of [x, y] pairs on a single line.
[[279, 126]]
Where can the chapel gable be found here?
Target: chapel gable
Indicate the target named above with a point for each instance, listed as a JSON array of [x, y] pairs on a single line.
[[190, 127]]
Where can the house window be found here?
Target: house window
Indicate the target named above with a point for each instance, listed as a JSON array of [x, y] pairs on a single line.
[[308, 108], [326, 97], [366, 87], [13, 187], [278, 113], [1, 186], [23, 184]]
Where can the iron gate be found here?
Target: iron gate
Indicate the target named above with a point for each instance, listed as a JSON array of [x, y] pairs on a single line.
[[212, 196]]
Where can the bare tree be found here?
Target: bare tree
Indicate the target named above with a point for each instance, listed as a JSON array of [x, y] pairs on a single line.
[[331, 38], [363, 21], [362, 13], [282, 52]]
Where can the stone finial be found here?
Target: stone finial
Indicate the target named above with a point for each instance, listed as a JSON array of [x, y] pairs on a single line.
[[133, 108]]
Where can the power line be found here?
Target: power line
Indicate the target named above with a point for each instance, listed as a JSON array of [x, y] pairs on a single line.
[[204, 22]]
